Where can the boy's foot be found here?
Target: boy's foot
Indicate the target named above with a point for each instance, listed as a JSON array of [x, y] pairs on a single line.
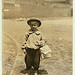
[[26, 74], [35, 73], [30, 72]]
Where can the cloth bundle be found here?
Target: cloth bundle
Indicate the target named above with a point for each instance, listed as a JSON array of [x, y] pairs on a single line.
[[45, 52]]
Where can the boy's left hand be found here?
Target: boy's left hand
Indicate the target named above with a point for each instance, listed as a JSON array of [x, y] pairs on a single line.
[[22, 48], [39, 43]]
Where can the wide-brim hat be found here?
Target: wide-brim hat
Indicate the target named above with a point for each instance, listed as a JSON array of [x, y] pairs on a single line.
[[29, 22]]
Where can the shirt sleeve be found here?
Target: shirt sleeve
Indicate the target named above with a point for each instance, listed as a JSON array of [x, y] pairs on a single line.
[[25, 40], [42, 40], [42, 37]]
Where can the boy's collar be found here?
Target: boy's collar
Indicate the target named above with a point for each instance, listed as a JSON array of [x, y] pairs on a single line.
[[36, 32]]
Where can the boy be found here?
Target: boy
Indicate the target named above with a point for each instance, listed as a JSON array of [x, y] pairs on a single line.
[[34, 40]]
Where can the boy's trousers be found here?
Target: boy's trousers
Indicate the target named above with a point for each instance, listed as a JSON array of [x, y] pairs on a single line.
[[32, 58]]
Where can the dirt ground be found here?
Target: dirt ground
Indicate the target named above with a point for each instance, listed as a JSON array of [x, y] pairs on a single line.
[[58, 33]]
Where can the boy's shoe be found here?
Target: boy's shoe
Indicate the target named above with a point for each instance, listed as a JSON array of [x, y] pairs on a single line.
[[35, 73], [30, 72], [26, 74]]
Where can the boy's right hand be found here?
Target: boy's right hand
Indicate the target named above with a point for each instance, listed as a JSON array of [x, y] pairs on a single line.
[[22, 48], [24, 51]]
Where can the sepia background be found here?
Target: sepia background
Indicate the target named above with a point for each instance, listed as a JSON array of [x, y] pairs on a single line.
[[57, 26]]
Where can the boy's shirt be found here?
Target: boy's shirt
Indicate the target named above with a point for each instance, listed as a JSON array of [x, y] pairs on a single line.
[[34, 40]]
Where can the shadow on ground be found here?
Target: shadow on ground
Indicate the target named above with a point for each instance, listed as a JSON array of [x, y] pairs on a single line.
[[31, 72]]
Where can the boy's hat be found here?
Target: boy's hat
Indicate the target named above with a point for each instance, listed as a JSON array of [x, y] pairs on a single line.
[[29, 22]]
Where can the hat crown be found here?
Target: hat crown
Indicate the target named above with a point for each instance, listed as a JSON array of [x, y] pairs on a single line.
[[35, 20]]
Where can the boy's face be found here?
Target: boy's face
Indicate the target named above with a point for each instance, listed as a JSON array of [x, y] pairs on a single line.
[[34, 25]]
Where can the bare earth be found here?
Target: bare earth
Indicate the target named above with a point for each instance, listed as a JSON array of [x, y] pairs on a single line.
[[58, 33]]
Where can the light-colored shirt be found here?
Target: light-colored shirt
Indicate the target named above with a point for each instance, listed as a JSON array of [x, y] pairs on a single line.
[[34, 40]]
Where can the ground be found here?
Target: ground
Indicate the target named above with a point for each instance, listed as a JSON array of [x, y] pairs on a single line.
[[58, 33]]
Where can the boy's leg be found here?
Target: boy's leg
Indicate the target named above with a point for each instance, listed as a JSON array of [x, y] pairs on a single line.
[[28, 61], [37, 60]]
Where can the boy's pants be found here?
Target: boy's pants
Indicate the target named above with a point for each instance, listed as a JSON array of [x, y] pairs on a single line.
[[32, 58]]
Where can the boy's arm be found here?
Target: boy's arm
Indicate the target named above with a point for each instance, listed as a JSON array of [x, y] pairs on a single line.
[[25, 42], [43, 40]]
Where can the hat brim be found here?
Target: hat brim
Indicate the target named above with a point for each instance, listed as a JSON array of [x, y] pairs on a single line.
[[29, 22]]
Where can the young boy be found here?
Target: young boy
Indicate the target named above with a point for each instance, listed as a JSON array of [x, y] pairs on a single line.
[[34, 40]]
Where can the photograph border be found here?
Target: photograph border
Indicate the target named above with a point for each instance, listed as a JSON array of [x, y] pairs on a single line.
[[1, 37], [73, 37]]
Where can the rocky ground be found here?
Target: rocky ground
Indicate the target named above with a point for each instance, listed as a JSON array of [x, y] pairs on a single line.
[[58, 33]]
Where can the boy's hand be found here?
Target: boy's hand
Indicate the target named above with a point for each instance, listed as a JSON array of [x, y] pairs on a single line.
[[42, 43], [22, 48], [39, 43], [24, 51]]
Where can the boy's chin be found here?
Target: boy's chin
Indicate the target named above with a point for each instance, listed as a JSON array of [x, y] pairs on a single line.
[[33, 28]]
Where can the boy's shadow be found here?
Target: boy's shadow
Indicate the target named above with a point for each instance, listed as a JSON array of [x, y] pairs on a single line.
[[40, 72]]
